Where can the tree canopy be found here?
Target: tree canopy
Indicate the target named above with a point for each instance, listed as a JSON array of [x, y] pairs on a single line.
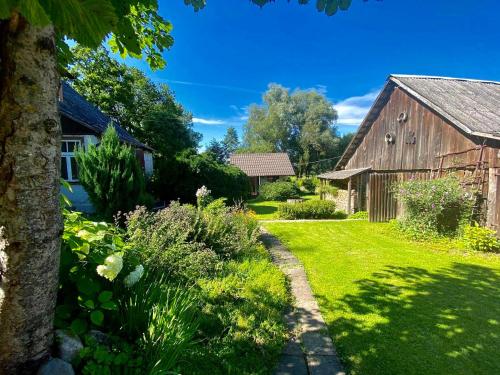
[[147, 110], [300, 123]]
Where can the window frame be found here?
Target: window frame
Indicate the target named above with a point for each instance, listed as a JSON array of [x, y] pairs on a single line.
[[68, 155]]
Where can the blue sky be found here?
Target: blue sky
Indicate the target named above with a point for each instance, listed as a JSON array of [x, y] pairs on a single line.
[[225, 55]]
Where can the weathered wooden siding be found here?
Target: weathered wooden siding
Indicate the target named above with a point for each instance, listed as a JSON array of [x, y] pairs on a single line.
[[418, 140], [382, 205]]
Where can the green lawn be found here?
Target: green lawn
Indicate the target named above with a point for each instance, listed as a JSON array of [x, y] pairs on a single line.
[[267, 210], [396, 307]]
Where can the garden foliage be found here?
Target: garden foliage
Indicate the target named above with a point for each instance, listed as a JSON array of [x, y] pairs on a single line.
[[179, 178], [111, 175], [434, 207], [307, 184], [279, 191], [311, 209], [186, 290], [480, 238], [359, 215]]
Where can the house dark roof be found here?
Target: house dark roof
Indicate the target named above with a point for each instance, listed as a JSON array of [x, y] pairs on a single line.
[[471, 105], [263, 164], [342, 174], [78, 109]]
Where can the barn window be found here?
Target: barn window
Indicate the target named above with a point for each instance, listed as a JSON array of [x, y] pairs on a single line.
[[69, 167]]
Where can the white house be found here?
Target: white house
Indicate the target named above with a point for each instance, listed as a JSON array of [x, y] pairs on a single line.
[[83, 124]]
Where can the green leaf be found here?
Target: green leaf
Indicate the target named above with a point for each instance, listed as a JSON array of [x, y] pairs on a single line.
[[63, 311], [97, 317], [85, 248], [33, 11], [90, 304], [78, 326], [344, 4], [321, 5], [105, 296], [331, 7], [87, 286], [110, 305]]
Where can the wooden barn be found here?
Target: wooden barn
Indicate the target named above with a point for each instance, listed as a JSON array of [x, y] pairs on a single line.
[[422, 127]]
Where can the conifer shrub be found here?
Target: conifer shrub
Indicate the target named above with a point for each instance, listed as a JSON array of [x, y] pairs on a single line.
[[111, 175]]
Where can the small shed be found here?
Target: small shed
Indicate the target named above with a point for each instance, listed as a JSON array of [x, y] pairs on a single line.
[[263, 167], [423, 127]]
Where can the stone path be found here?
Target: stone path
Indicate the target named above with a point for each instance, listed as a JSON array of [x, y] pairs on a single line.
[[310, 350]]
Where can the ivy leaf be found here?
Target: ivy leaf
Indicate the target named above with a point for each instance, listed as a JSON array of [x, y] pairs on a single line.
[[78, 326], [105, 296], [97, 317]]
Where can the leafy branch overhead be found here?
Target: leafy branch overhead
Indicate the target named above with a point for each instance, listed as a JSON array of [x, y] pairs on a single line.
[[131, 27], [329, 7]]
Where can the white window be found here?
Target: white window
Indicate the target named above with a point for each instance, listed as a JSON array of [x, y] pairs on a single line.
[[69, 168]]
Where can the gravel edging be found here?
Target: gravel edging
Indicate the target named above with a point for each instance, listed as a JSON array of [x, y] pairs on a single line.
[[310, 350]]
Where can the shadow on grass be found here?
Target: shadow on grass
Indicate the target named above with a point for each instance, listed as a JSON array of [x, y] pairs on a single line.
[[262, 209], [407, 320]]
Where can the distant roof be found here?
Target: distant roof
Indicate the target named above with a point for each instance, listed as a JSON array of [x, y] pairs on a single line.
[[469, 104], [263, 164], [78, 109], [342, 174]]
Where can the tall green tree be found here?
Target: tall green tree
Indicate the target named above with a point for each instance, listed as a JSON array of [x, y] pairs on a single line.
[[300, 123], [33, 45], [126, 94], [111, 175], [231, 141]]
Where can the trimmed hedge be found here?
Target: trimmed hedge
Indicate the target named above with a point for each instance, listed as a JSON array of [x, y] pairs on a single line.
[[313, 209], [279, 191]]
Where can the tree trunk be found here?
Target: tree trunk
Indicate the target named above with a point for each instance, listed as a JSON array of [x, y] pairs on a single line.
[[29, 193]]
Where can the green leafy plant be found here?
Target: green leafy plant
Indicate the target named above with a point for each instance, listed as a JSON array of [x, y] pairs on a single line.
[[307, 184], [359, 215], [325, 189], [279, 191], [164, 317], [312, 209], [434, 207], [94, 256], [479, 238], [111, 175]]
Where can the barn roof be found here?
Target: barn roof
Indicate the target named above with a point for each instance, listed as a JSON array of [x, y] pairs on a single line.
[[263, 164], [469, 104], [342, 174], [78, 109]]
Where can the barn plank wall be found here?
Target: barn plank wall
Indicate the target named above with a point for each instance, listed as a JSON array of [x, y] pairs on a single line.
[[418, 144], [432, 136]]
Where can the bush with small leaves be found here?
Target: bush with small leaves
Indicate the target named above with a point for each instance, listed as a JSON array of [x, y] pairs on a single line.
[[479, 238], [279, 191], [312, 209], [359, 215]]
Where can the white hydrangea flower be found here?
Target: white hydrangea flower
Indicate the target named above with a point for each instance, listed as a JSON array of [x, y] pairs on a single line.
[[202, 192], [112, 266], [134, 276]]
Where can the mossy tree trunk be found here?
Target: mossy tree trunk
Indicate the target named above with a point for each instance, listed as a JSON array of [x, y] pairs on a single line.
[[29, 193]]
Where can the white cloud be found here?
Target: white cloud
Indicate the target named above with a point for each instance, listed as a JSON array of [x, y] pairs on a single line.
[[206, 121], [351, 111]]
